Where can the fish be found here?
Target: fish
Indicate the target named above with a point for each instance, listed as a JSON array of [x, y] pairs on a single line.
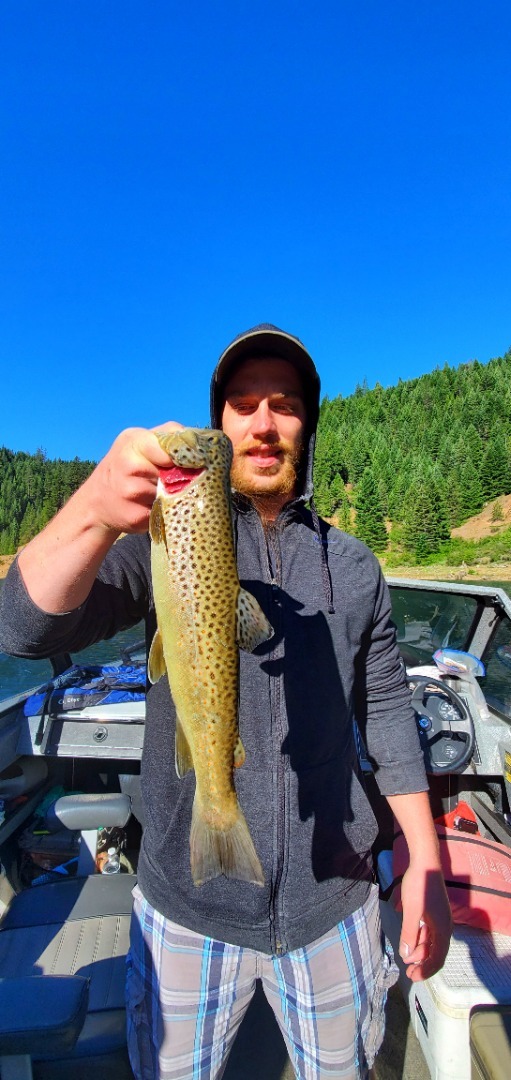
[[203, 617]]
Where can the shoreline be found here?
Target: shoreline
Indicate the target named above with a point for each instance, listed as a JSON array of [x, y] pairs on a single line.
[[487, 572], [497, 572]]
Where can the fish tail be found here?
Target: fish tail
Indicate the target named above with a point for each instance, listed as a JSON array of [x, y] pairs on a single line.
[[217, 851]]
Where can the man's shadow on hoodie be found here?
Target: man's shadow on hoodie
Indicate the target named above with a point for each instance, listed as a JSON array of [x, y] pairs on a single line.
[[320, 742]]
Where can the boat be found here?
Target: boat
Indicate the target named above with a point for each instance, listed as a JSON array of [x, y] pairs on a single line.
[[69, 764]]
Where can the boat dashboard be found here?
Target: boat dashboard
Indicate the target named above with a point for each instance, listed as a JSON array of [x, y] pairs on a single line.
[[463, 716]]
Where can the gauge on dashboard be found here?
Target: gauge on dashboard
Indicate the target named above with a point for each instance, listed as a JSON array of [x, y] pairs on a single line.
[[448, 711]]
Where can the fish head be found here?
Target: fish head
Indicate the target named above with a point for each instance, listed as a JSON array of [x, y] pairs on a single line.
[[193, 451]]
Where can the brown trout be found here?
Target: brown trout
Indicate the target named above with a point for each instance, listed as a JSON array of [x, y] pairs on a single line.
[[203, 615]]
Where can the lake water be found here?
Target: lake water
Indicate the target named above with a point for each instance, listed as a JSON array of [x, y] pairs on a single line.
[[17, 675]]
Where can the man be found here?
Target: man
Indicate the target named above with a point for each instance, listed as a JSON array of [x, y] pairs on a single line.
[[312, 933]]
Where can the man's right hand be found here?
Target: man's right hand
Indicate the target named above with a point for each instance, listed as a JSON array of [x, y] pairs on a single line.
[[122, 488], [59, 565]]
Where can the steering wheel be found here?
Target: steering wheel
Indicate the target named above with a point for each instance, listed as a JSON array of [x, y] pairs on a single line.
[[446, 728]]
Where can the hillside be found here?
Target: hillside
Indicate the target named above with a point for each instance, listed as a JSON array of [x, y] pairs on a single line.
[[408, 466]]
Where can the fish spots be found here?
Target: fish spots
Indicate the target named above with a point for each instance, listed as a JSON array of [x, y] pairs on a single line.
[[196, 604]]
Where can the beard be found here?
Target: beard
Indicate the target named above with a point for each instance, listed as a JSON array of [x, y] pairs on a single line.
[[268, 488]]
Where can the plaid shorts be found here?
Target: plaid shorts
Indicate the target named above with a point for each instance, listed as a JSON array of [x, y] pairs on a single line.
[[187, 996]]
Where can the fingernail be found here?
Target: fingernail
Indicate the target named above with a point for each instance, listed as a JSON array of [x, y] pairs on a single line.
[[404, 950]]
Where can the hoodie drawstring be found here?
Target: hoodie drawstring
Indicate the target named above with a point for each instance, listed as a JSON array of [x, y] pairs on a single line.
[[325, 571]]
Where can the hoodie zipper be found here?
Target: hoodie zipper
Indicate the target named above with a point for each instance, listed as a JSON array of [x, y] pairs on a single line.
[[274, 564]]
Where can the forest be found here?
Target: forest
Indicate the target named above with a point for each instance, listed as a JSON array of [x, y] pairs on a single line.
[[32, 489], [397, 466], [400, 467]]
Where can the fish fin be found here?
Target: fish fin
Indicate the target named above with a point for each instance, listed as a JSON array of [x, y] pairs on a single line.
[[184, 761], [252, 626], [239, 754], [156, 523], [214, 851], [156, 666]]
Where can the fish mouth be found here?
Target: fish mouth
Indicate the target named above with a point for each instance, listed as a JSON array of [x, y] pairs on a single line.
[[175, 478]]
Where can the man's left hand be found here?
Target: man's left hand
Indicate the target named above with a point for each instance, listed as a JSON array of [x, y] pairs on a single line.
[[427, 922]]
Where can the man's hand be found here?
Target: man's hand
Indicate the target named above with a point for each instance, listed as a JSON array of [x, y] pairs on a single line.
[[59, 566], [427, 923], [121, 490]]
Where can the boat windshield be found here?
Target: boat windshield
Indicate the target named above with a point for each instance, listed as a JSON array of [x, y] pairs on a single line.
[[427, 621], [496, 685]]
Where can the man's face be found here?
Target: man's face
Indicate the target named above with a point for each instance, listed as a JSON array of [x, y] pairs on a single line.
[[264, 417]]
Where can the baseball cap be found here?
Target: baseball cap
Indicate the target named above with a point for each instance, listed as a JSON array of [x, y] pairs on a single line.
[[261, 341]]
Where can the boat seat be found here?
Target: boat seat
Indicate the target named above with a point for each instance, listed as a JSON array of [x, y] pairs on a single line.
[[75, 927]]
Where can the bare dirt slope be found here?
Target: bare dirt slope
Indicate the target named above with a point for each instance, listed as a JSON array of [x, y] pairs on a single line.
[[5, 562], [484, 524]]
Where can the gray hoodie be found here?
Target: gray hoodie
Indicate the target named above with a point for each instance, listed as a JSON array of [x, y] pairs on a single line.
[[333, 659]]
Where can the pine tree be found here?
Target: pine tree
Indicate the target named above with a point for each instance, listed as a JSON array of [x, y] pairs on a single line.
[[426, 524], [471, 491], [323, 500], [359, 457], [29, 523], [370, 521], [342, 508], [328, 459], [495, 469]]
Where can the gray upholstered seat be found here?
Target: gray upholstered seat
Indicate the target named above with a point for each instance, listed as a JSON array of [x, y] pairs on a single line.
[[74, 927]]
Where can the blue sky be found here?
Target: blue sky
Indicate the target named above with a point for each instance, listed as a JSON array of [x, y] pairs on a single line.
[[172, 174]]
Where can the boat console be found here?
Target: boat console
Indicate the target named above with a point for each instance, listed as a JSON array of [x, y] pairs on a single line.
[[463, 709], [455, 641]]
